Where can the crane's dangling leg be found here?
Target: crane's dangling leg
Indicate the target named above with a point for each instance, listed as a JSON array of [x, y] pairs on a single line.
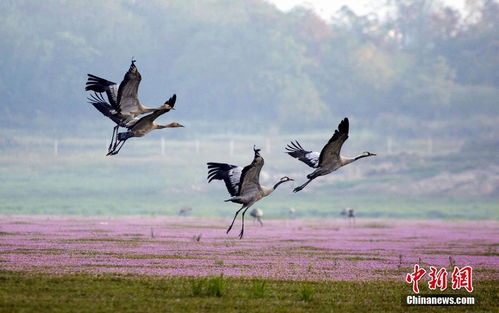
[[111, 152], [121, 139], [242, 227], [302, 186], [119, 148], [113, 149], [232, 224], [117, 140], [113, 139]]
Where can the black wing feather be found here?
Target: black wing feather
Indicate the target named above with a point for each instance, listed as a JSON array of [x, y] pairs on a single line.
[[222, 171], [102, 106], [98, 84], [295, 150]]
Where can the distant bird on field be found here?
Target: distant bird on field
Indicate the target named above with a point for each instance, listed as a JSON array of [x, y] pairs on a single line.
[[329, 160], [291, 213], [123, 105], [349, 214], [257, 215], [344, 213], [184, 211], [243, 184]]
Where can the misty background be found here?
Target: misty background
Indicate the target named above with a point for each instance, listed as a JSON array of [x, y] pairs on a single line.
[[418, 80]]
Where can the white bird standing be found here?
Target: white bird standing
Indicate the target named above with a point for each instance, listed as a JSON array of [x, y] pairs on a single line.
[[243, 184], [123, 105], [257, 215], [329, 160]]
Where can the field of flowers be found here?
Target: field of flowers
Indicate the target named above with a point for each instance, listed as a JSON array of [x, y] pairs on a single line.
[[313, 250]]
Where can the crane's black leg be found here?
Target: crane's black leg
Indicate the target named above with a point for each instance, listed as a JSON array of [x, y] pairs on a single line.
[[302, 186], [113, 149], [111, 152], [232, 224], [260, 221], [113, 138], [117, 141], [119, 147], [242, 227]]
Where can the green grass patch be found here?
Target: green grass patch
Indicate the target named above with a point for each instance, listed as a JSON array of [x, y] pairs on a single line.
[[36, 292], [306, 292], [257, 289], [208, 287]]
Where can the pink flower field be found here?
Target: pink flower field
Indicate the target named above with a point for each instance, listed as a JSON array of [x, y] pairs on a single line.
[[283, 249]]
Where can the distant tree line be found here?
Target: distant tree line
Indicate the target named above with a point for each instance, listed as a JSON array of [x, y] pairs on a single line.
[[245, 60]]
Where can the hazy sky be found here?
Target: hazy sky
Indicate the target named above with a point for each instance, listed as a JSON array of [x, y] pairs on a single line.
[[325, 8]]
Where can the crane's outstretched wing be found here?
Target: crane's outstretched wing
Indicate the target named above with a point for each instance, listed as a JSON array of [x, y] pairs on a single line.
[[230, 174], [311, 158], [154, 115], [98, 84], [105, 108], [128, 99], [331, 151], [250, 176]]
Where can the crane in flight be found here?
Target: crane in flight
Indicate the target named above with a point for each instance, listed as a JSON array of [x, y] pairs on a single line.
[[329, 159], [243, 184], [122, 106], [142, 127]]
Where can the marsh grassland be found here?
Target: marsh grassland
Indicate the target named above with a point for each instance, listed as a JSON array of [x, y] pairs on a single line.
[[144, 264]]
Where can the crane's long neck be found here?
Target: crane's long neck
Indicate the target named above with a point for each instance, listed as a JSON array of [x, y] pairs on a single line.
[[159, 126], [268, 190], [277, 184], [345, 161]]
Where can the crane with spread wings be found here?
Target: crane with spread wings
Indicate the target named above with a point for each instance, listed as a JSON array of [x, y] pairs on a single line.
[[243, 184], [122, 106], [329, 159]]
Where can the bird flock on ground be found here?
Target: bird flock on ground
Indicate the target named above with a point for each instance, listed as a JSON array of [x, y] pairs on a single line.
[[243, 183]]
